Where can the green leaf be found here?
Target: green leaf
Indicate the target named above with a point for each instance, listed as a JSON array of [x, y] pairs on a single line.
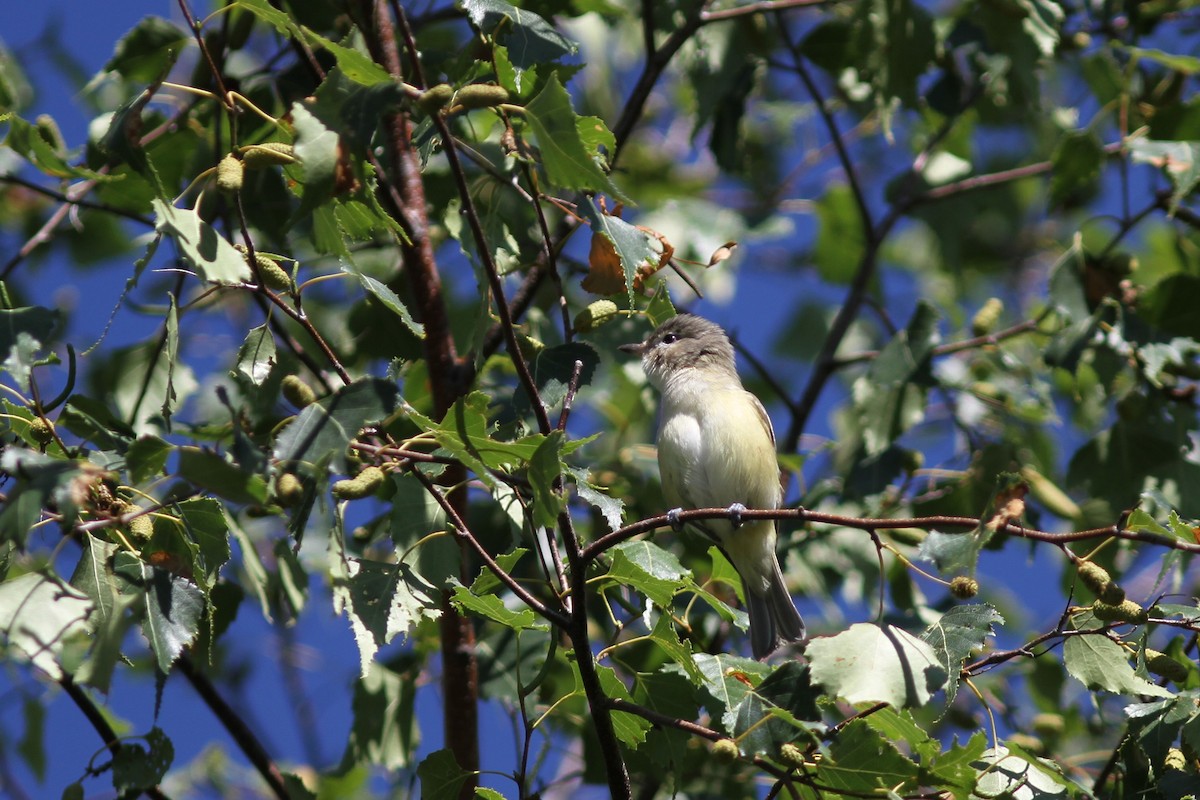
[[207, 524], [870, 664], [32, 746], [43, 482], [775, 712], [441, 776], [491, 606], [487, 582], [1077, 161], [890, 398], [727, 681], [415, 512], [171, 605], [146, 457], [316, 146], [1187, 64], [840, 241], [1167, 304], [954, 552], [545, 472], [651, 570], [1180, 161], [568, 164], [960, 632], [355, 65], [384, 731], [388, 298], [109, 621], [679, 652], [553, 367], [142, 54], [272, 16], [612, 509], [39, 617], [212, 472], [1101, 664], [135, 768], [630, 728], [256, 357], [26, 140], [24, 334], [382, 600], [529, 38], [323, 430], [860, 760], [1006, 774], [203, 249]]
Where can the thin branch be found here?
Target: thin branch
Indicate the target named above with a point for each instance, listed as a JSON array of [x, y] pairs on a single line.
[[758, 8], [939, 522], [975, 342], [872, 237], [236, 726], [665, 720], [96, 717], [507, 326], [77, 201], [464, 535]]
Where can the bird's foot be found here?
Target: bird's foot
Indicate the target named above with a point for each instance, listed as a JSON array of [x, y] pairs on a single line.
[[673, 518], [735, 514]]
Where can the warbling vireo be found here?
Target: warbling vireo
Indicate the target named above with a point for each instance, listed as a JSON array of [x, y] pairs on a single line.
[[716, 448]]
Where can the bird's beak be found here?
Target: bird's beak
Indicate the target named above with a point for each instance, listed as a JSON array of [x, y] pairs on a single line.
[[636, 349]]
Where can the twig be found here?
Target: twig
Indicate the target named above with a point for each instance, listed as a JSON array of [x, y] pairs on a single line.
[[77, 201], [464, 535], [758, 8], [236, 726], [938, 522], [110, 738]]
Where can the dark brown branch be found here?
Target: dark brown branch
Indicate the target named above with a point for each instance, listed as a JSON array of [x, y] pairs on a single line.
[[758, 8], [404, 193], [107, 735], [241, 733], [77, 201], [960, 524], [872, 237], [986, 340], [464, 535]]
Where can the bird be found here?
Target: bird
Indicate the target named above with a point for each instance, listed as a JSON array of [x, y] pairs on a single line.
[[716, 449]]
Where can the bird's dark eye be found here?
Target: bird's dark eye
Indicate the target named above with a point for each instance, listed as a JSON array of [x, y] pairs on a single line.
[[671, 338]]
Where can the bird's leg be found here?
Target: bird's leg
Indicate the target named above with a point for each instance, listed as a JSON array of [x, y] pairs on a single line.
[[673, 518], [735, 514]]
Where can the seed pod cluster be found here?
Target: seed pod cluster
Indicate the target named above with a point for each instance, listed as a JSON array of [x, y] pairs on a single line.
[[272, 275], [480, 95], [1125, 611], [41, 430], [1162, 664], [267, 154], [297, 392], [964, 587], [792, 755], [725, 751], [985, 319], [231, 173], [435, 97], [1096, 578], [362, 485], [595, 315], [289, 490]]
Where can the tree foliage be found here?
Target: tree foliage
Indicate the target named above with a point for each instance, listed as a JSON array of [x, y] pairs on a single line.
[[376, 261]]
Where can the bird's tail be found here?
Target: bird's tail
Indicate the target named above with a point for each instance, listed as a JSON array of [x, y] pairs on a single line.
[[773, 616]]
